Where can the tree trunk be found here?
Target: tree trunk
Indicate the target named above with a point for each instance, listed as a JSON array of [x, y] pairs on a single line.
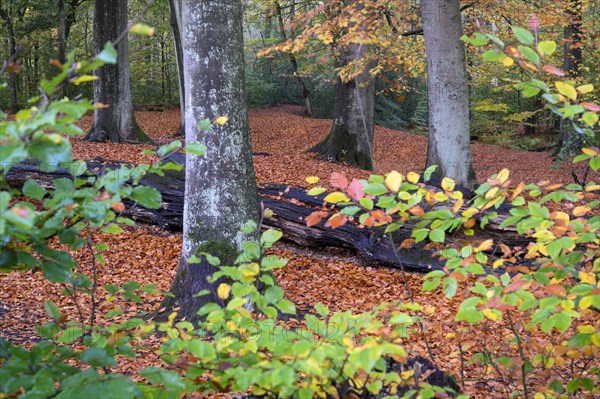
[[175, 19], [115, 122], [220, 189], [351, 137], [569, 141], [294, 63], [448, 92], [12, 55]]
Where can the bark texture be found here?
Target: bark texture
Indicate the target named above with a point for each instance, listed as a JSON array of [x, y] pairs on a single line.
[[12, 55], [175, 18], [448, 92], [220, 190], [115, 123], [293, 62], [350, 139]]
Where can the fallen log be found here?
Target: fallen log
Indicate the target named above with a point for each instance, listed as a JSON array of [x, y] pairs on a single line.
[[290, 205]]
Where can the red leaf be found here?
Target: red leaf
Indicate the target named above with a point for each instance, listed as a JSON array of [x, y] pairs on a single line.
[[534, 23], [553, 70], [336, 221], [338, 180], [315, 218], [590, 106], [355, 190]]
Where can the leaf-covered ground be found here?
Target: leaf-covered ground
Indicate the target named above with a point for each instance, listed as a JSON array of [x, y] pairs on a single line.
[[334, 277]]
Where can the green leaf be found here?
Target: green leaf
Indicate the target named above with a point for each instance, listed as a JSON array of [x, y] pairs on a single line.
[[53, 310], [450, 285], [147, 197], [70, 334], [108, 54], [286, 306], [530, 54], [437, 235], [198, 149], [591, 118], [32, 189], [401, 318], [546, 47], [111, 288], [523, 35], [202, 350], [270, 237], [112, 229], [204, 124], [322, 309]]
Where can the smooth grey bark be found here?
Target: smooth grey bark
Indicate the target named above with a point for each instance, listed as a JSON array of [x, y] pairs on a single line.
[[350, 139], [12, 55], [175, 18], [116, 122], [220, 189], [448, 92]]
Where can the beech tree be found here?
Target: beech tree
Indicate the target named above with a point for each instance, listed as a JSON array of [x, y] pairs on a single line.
[[12, 54], [448, 92], [114, 120], [350, 139], [175, 18], [220, 189]]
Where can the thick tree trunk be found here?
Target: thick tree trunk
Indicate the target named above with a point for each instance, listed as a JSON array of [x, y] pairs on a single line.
[[569, 140], [220, 194], [449, 135], [12, 55], [350, 140], [294, 63], [115, 122]]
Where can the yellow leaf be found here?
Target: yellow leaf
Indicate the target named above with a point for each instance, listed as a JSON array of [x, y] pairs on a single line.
[[221, 120], [498, 263], [142, 29], [492, 314], [336, 197], [407, 374], [82, 79], [490, 194], [591, 188], [539, 395], [440, 197], [566, 90], [507, 61], [312, 179], [101, 106], [448, 184], [503, 175], [413, 177], [393, 181], [223, 290], [589, 278], [586, 329], [580, 210], [589, 151], [585, 89], [485, 245]]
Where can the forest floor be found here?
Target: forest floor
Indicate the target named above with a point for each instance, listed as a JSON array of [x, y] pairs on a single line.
[[335, 278]]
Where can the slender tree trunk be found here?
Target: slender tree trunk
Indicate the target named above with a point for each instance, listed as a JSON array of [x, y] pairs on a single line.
[[570, 141], [350, 139], [448, 92], [12, 55], [220, 189], [268, 23], [116, 122], [175, 18], [294, 63]]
